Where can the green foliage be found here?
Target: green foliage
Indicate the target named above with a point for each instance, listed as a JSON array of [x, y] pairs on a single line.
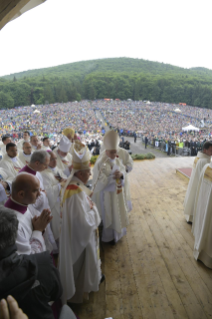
[[93, 159], [121, 78], [6, 101], [139, 157]]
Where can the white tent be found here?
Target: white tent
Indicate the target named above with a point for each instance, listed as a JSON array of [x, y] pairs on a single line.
[[33, 105], [36, 111], [148, 102], [190, 128], [177, 110]]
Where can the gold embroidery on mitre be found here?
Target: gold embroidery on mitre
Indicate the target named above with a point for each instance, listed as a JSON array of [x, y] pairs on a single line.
[[83, 165], [208, 174]]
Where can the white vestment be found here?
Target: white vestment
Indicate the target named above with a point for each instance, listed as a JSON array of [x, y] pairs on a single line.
[[199, 163], [20, 144], [45, 148], [3, 192], [37, 208], [52, 188], [128, 163], [28, 241], [41, 204], [64, 163], [3, 149], [79, 262], [202, 224], [11, 166], [109, 197], [25, 159]]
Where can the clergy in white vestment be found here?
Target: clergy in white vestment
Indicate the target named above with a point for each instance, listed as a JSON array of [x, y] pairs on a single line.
[[36, 143], [6, 139], [26, 153], [202, 223], [5, 186], [109, 196], [79, 261], [128, 163], [53, 180], [25, 191], [39, 162], [46, 144], [200, 161], [64, 158], [26, 138], [10, 162]]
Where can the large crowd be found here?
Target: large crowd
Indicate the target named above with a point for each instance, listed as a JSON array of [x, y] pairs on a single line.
[[51, 217]]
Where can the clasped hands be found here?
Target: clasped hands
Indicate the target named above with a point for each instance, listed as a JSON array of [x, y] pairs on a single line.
[[117, 174], [40, 222]]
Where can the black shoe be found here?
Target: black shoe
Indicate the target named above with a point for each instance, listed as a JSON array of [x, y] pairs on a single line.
[[102, 279]]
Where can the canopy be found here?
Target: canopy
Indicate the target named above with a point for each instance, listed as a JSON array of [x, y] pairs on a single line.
[[33, 105], [190, 128], [36, 111], [177, 110], [12, 9]]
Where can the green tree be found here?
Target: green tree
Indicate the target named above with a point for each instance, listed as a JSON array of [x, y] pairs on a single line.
[[6, 101]]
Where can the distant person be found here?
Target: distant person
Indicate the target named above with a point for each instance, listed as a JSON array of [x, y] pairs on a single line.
[[135, 137], [146, 141]]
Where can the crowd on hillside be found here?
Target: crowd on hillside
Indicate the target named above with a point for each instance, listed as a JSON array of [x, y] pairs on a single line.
[[154, 120]]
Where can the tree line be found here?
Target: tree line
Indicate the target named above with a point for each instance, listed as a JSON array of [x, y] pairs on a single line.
[[120, 78]]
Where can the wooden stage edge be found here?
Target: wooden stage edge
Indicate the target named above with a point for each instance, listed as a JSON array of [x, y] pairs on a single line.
[[184, 172], [151, 272]]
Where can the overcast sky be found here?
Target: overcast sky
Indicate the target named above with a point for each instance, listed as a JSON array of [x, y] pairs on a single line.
[[177, 32]]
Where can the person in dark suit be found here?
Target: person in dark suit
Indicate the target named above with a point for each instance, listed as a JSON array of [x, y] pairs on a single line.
[[32, 280], [146, 141]]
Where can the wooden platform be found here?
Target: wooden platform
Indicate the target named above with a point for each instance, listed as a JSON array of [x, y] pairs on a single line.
[[151, 273], [184, 172]]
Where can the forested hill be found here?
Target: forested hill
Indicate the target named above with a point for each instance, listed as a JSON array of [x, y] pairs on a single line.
[[121, 78]]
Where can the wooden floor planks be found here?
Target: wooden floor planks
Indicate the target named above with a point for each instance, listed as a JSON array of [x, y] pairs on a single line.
[[151, 273]]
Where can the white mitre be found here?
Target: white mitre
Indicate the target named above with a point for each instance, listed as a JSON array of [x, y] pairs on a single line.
[[80, 157], [65, 144], [80, 161], [111, 140]]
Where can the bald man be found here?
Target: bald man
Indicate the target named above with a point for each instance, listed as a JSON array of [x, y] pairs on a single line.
[[26, 153], [25, 191]]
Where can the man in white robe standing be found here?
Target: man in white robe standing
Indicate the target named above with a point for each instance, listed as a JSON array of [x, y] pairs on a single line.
[[108, 181], [64, 158], [10, 162], [6, 139], [200, 161], [46, 144], [53, 180], [5, 186], [128, 163], [26, 153], [25, 191], [202, 223], [39, 162], [79, 261], [26, 138], [35, 142]]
